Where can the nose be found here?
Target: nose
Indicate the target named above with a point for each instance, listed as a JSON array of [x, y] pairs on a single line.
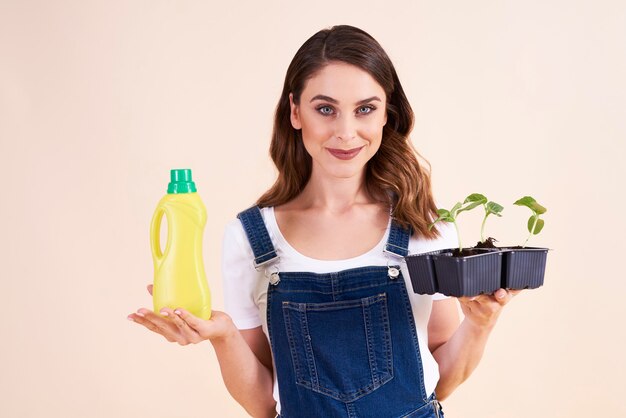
[[345, 128]]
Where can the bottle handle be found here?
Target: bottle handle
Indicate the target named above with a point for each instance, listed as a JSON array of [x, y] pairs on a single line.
[[155, 234]]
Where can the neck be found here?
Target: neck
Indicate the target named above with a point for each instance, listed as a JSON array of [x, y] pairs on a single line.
[[334, 194]]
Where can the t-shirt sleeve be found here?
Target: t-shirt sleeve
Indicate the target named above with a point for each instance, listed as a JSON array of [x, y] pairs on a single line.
[[239, 277]]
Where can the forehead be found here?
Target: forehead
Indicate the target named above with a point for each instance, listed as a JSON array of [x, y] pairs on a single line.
[[344, 82]]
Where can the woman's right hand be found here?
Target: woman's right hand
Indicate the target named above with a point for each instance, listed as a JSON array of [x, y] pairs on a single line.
[[180, 326]]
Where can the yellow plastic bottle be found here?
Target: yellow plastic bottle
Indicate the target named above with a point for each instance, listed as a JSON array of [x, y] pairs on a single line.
[[179, 277]]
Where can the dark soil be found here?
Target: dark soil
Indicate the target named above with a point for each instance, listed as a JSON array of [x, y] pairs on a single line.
[[465, 252], [487, 244]]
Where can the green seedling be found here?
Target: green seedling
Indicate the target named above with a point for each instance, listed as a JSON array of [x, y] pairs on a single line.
[[491, 208], [535, 223], [450, 216]]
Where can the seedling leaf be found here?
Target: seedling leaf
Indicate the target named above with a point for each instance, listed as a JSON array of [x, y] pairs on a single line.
[[532, 204], [531, 223], [538, 208], [535, 224], [494, 208], [537, 227], [475, 199], [449, 216], [455, 209], [470, 206], [525, 201]]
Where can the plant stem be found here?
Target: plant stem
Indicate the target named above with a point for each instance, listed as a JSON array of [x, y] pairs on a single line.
[[458, 235], [531, 231], [482, 228]]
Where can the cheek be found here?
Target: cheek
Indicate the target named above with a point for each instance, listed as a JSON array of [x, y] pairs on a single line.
[[373, 129], [316, 130], [380, 121], [314, 137]]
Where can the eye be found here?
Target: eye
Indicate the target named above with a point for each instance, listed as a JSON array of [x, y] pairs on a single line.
[[367, 109], [321, 109]]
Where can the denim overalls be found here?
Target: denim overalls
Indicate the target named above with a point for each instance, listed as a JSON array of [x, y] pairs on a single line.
[[344, 343]]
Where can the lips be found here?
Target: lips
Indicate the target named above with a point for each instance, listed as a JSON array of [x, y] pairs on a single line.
[[345, 154]]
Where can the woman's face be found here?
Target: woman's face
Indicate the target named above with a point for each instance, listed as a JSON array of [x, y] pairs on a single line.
[[341, 113]]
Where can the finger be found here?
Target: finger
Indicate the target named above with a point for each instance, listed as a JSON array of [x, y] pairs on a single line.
[[464, 299], [468, 299], [189, 334], [502, 296], [191, 320], [149, 287], [141, 320], [470, 303], [164, 324], [480, 299]]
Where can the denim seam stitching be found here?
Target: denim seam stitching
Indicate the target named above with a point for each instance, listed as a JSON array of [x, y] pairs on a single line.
[[291, 342], [418, 354], [285, 289], [370, 343], [248, 223], [420, 409], [341, 274], [387, 346], [308, 347], [257, 233]]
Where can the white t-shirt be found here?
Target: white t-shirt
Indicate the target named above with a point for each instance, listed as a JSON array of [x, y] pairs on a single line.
[[245, 288]]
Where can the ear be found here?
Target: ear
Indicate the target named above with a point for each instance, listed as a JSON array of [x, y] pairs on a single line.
[[295, 113]]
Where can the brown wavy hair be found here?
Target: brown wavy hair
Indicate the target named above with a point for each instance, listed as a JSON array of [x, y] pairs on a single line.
[[393, 174]]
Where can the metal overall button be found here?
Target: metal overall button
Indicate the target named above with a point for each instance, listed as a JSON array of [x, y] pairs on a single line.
[[274, 276], [393, 273]]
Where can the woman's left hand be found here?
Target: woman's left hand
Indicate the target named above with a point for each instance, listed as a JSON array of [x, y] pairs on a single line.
[[483, 310]]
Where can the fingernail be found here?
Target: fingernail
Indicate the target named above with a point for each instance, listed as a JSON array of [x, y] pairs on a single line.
[[140, 314], [177, 312], [500, 294], [130, 318], [164, 313]]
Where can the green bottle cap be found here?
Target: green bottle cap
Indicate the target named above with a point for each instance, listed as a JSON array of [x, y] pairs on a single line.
[[181, 182]]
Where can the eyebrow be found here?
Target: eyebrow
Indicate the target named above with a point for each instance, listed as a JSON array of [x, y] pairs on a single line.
[[330, 99]]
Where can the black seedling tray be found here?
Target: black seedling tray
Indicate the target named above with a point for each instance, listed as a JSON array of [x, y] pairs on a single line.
[[469, 275], [422, 271], [504, 267], [523, 268]]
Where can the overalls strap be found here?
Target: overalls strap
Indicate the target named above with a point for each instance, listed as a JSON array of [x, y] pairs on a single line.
[[398, 241], [259, 238]]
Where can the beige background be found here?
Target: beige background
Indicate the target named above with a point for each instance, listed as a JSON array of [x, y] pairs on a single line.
[[99, 100]]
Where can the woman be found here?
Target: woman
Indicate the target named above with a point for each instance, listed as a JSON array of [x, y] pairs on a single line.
[[322, 320]]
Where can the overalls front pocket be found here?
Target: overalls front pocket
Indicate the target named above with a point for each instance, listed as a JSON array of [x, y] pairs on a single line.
[[341, 349]]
